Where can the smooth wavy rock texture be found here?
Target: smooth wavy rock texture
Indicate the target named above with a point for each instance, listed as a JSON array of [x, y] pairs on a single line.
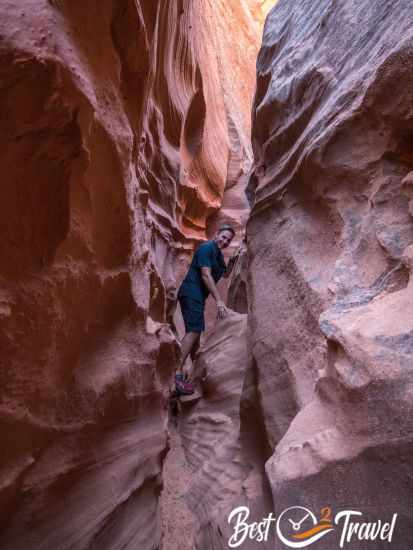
[[329, 239], [223, 440], [125, 125]]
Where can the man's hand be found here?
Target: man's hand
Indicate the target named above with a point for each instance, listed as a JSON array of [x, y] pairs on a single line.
[[222, 310]]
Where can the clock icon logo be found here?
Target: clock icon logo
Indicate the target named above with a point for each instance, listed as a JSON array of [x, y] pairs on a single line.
[[297, 527]]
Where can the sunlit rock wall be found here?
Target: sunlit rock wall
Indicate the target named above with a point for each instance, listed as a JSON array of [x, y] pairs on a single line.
[[120, 133], [331, 316]]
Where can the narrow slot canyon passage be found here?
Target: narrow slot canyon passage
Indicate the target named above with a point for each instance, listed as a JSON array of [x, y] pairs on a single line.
[[178, 523], [131, 131], [190, 517]]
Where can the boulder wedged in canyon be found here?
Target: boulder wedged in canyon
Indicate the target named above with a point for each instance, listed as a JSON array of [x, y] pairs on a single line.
[[223, 440], [120, 135], [329, 260]]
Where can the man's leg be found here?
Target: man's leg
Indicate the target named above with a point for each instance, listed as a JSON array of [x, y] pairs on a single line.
[[193, 315], [195, 348], [188, 343]]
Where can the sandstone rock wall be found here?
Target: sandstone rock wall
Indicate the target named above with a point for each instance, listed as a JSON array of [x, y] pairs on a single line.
[[223, 438], [120, 133], [329, 238]]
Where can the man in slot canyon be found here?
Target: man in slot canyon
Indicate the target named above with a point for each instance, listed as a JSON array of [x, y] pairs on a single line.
[[206, 269]]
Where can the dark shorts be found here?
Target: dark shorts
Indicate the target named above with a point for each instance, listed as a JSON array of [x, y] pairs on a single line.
[[193, 314]]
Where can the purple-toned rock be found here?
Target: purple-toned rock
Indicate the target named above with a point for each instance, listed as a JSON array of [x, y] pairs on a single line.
[[331, 315]]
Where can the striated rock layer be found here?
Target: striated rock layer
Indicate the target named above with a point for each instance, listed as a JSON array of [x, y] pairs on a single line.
[[329, 237], [223, 439], [120, 133]]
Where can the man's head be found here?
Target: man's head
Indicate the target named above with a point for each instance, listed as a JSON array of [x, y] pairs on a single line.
[[224, 236]]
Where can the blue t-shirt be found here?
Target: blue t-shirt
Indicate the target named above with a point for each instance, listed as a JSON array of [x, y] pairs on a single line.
[[207, 254]]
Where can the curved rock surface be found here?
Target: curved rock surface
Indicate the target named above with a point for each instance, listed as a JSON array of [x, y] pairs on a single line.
[[330, 258], [120, 134], [225, 445]]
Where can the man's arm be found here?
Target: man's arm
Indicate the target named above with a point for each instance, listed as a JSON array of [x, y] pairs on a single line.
[[231, 264], [211, 286]]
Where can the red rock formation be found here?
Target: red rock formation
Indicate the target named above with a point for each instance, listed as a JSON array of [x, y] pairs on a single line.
[[330, 305], [120, 132], [82, 411]]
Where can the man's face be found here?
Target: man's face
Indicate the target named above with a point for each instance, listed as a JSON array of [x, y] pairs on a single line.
[[224, 238]]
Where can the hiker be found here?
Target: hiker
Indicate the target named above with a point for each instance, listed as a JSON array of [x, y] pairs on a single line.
[[206, 269]]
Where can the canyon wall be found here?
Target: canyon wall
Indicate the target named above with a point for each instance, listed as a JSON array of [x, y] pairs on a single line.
[[125, 138], [125, 126], [330, 257]]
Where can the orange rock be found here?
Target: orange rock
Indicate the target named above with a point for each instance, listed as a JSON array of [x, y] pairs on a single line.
[[121, 131]]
